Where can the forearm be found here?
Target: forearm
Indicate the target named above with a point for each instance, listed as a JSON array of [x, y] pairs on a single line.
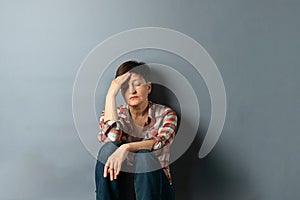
[[110, 101], [136, 146], [110, 108]]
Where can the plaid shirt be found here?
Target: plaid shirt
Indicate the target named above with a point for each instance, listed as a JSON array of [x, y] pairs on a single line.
[[161, 126]]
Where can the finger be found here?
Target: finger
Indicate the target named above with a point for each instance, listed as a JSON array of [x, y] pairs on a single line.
[[118, 170], [105, 171], [115, 169], [111, 171], [125, 76], [115, 173], [127, 73]]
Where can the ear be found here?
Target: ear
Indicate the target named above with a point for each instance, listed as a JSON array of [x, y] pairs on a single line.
[[149, 87]]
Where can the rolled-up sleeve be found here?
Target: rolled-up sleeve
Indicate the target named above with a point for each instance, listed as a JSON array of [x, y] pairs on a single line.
[[167, 130], [109, 130]]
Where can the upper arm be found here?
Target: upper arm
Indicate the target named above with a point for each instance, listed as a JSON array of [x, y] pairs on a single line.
[[167, 130]]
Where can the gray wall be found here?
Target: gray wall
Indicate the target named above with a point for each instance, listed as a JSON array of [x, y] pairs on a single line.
[[255, 44]]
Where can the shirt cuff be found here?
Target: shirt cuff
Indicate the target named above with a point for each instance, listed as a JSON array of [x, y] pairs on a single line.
[[157, 144], [112, 130]]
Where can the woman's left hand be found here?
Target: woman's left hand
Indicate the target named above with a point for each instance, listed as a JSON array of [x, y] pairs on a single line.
[[114, 162]]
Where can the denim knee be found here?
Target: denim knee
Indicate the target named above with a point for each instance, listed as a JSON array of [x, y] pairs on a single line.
[[106, 150], [144, 151], [146, 161]]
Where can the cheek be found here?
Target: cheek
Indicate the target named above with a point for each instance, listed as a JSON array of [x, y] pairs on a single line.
[[144, 93]]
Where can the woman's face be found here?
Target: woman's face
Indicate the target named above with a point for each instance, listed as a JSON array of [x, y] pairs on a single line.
[[135, 90]]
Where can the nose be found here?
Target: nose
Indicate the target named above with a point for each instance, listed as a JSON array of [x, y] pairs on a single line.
[[131, 88]]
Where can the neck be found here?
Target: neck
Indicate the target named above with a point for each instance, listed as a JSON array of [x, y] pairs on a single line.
[[139, 111]]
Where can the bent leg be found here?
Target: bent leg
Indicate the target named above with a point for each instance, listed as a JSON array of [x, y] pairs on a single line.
[[105, 189], [150, 184]]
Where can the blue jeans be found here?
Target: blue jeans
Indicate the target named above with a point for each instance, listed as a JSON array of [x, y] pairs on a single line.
[[152, 185]]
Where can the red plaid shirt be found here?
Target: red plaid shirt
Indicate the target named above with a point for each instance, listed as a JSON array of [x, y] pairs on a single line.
[[161, 126]]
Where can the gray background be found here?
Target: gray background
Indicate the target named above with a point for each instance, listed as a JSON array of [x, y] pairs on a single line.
[[255, 44]]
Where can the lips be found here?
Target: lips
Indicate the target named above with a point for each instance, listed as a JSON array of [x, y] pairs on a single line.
[[133, 97]]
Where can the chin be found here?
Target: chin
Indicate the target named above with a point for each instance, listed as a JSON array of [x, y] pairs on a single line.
[[134, 103]]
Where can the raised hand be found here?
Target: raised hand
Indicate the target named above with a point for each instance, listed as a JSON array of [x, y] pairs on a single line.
[[117, 83]]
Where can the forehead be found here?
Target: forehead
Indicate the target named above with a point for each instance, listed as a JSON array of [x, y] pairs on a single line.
[[136, 77]]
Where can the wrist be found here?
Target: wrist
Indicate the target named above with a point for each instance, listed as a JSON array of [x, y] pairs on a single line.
[[125, 147], [111, 95]]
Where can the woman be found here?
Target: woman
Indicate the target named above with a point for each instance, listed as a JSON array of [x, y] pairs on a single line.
[[137, 136]]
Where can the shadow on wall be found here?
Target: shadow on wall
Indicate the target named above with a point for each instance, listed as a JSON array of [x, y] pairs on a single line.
[[218, 176]]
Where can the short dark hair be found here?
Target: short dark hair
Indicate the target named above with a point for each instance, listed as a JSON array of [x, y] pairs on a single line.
[[136, 67]]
